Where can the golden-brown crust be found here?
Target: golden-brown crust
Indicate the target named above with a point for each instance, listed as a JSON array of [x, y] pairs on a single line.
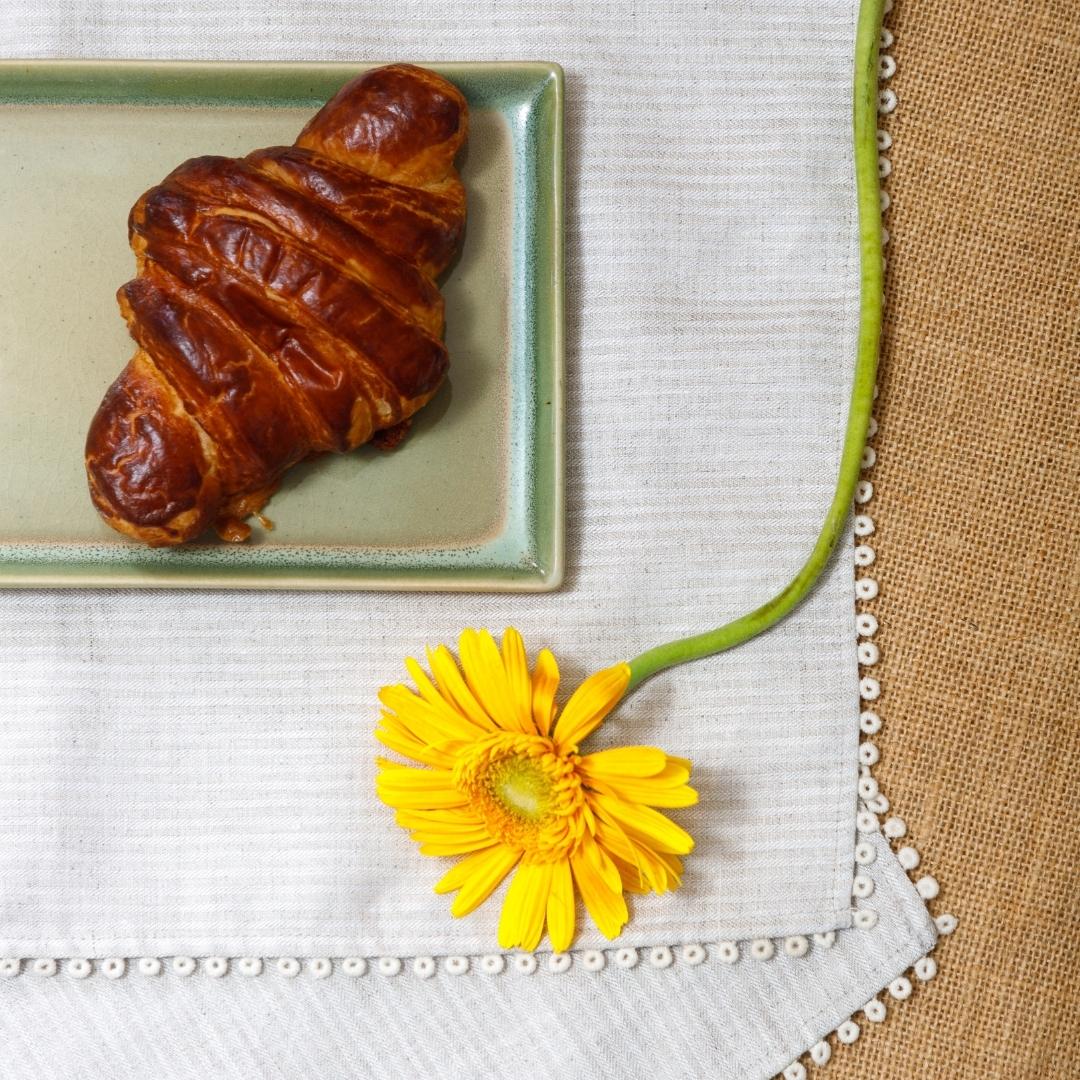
[[285, 305]]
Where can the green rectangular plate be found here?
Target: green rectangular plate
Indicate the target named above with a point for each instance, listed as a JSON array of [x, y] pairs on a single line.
[[474, 497]]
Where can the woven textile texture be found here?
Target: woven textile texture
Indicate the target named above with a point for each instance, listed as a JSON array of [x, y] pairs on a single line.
[[194, 773], [743, 1021], [978, 482]]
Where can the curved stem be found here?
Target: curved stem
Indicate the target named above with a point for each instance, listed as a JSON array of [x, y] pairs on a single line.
[[862, 394]]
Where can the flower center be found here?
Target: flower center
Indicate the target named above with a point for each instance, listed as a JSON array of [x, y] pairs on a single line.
[[522, 786], [527, 793]]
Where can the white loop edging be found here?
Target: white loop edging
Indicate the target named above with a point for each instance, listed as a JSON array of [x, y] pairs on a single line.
[[796, 946], [848, 1032], [661, 957], [945, 924], [493, 964], [727, 952], [216, 966], [114, 967], [762, 949], [925, 969], [525, 963], [694, 954], [874, 1011], [593, 960], [894, 828]]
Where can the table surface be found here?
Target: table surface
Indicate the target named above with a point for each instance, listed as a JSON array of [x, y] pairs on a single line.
[[976, 486]]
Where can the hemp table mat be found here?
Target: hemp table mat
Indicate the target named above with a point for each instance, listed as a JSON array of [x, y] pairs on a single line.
[[188, 778]]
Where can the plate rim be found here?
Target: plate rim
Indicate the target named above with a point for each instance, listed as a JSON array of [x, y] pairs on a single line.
[[23, 81]]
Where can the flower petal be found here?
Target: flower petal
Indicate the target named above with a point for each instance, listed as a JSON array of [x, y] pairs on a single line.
[[545, 681], [445, 706], [417, 789], [486, 676], [426, 722], [642, 869], [516, 664], [456, 819], [589, 704], [452, 687], [600, 885], [477, 877], [625, 761], [521, 923], [396, 737], [650, 791], [640, 823], [561, 905], [452, 847]]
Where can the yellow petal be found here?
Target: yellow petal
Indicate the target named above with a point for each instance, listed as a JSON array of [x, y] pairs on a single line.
[[516, 664], [560, 906], [426, 722], [486, 676], [633, 880], [521, 923], [445, 707], [477, 836], [625, 761], [604, 902], [464, 871], [545, 681], [589, 704], [416, 789], [643, 824], [484, 880], [451, 820], [651, 791], [452, 847], [641, 868], [392, 736], [453, 687]]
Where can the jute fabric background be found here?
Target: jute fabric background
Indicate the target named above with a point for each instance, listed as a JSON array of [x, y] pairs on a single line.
[[976, 497]]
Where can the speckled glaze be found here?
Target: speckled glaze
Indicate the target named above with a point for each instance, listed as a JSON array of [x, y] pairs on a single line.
[[472, 500]]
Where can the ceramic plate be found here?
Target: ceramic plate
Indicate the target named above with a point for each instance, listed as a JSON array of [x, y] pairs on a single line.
[[471, 500]]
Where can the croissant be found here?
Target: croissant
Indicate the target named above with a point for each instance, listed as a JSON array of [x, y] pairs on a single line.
[[285, 306]]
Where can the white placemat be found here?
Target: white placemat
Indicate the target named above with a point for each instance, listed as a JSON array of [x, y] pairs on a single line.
[[192, 773]]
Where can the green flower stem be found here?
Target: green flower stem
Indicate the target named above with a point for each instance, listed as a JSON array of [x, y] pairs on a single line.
[[862, 395]]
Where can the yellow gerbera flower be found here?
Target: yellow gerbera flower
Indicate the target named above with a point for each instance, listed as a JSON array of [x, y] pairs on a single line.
[[505, 786]]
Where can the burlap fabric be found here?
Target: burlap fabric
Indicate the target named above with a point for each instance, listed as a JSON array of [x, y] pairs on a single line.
[[976, 508]]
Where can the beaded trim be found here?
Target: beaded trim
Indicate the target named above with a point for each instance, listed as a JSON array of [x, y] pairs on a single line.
[[873, 801], [424, 967]]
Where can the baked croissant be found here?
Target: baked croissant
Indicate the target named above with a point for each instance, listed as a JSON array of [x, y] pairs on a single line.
[[285, 305]]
